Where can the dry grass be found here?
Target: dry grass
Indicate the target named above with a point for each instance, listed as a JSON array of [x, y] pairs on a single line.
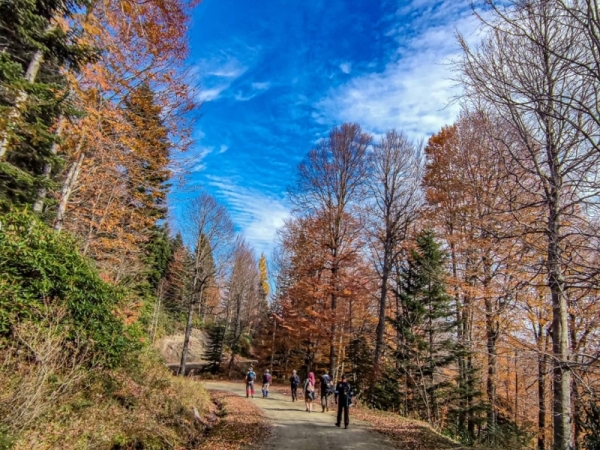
[[242, 424], [52, 401]]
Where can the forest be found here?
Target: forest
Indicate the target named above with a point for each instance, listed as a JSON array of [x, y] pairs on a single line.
[[455, 280]]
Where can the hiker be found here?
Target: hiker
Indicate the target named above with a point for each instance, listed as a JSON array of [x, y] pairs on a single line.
[[249, 378], [294, 383], [343, 394], [266, 382], [326, 391], [309, 391]]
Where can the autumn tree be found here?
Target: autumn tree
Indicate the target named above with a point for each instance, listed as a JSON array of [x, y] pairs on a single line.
[[329, 185], [242, 302], [522, 72], [394, 203], [208, 224]]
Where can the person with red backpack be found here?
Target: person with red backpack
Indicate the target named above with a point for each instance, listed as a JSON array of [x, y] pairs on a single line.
[[266, 382]]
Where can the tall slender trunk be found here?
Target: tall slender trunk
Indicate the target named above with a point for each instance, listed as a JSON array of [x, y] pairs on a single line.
[[38, 206], [186, 339], [236, 331], [576, 399], [542, 368], [30, 76], [333, 353], [68, 186], [379, 343], [273, 343], [560, 328]]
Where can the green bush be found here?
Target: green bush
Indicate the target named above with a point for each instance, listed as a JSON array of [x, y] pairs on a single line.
[[40, 267]]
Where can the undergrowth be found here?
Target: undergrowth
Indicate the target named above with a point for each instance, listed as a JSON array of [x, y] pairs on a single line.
[[74, 373]]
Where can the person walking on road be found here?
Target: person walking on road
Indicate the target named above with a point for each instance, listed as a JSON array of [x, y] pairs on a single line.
[[249, 378], [294, 383], [266, 382], [343, 393], [309, 391], [326, 391]]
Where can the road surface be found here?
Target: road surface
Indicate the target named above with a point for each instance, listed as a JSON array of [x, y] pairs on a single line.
[[294, 428]]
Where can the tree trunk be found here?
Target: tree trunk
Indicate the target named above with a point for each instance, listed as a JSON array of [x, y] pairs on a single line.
[[38, 206], [67, 188], [379, 343], [561, 379], [273, 343], [186, 339], [542, 367], [30, 76], [333, 353]]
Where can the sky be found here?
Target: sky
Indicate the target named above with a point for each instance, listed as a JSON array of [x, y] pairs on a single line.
[[276, 75]]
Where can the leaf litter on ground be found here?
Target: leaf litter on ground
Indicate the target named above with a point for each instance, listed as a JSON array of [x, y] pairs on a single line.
[[241, 424]]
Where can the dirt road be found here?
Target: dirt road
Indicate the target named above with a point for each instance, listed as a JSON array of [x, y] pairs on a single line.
[[294, 428]]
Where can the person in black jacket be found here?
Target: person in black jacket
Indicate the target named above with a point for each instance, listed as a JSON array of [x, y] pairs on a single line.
[[326, 391], [294, 383], [342, 395]]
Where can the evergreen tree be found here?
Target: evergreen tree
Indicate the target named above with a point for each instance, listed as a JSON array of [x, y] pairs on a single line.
[[35, 52], [149, 144], [423, 324]]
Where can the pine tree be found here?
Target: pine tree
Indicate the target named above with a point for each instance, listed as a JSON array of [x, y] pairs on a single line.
[[149, 145], [423, 324], [36, 49]]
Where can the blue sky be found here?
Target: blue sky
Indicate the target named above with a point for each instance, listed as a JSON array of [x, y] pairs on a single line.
[[276, 75]]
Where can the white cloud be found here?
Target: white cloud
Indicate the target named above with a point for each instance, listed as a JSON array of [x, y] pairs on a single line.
[[414, 91], [255, 89], [217, 73], [261, 86], [223, 149], [346, 67], [256, 213], [195, 159]]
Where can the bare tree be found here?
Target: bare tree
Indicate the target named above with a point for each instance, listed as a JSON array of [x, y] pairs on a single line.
[[329, 183], [242, 296], [209, 224], [523, 74], [396, 198]]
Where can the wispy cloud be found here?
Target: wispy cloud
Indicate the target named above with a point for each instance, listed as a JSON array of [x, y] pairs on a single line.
[[248, 93], [216, 74], [257, 214], [415, 89], [346, 67]]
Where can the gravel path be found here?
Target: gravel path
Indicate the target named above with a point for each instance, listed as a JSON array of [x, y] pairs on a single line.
[[294, 428]]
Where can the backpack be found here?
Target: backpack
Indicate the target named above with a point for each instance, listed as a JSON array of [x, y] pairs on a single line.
[[295, 380], [325, 381], [251, 376], [308, 387], [266, 378]]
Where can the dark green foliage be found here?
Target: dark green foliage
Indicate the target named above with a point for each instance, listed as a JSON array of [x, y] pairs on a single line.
[[591, 425], [30, 109], [424, 325], [216, 335], [360, 355], [158, 255], [150, 146], [40, 267], [386, 392]]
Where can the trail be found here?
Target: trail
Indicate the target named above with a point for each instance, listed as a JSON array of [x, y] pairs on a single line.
[[294, 428]]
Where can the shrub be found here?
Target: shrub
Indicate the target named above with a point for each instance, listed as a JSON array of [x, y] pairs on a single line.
[[41, 268]]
